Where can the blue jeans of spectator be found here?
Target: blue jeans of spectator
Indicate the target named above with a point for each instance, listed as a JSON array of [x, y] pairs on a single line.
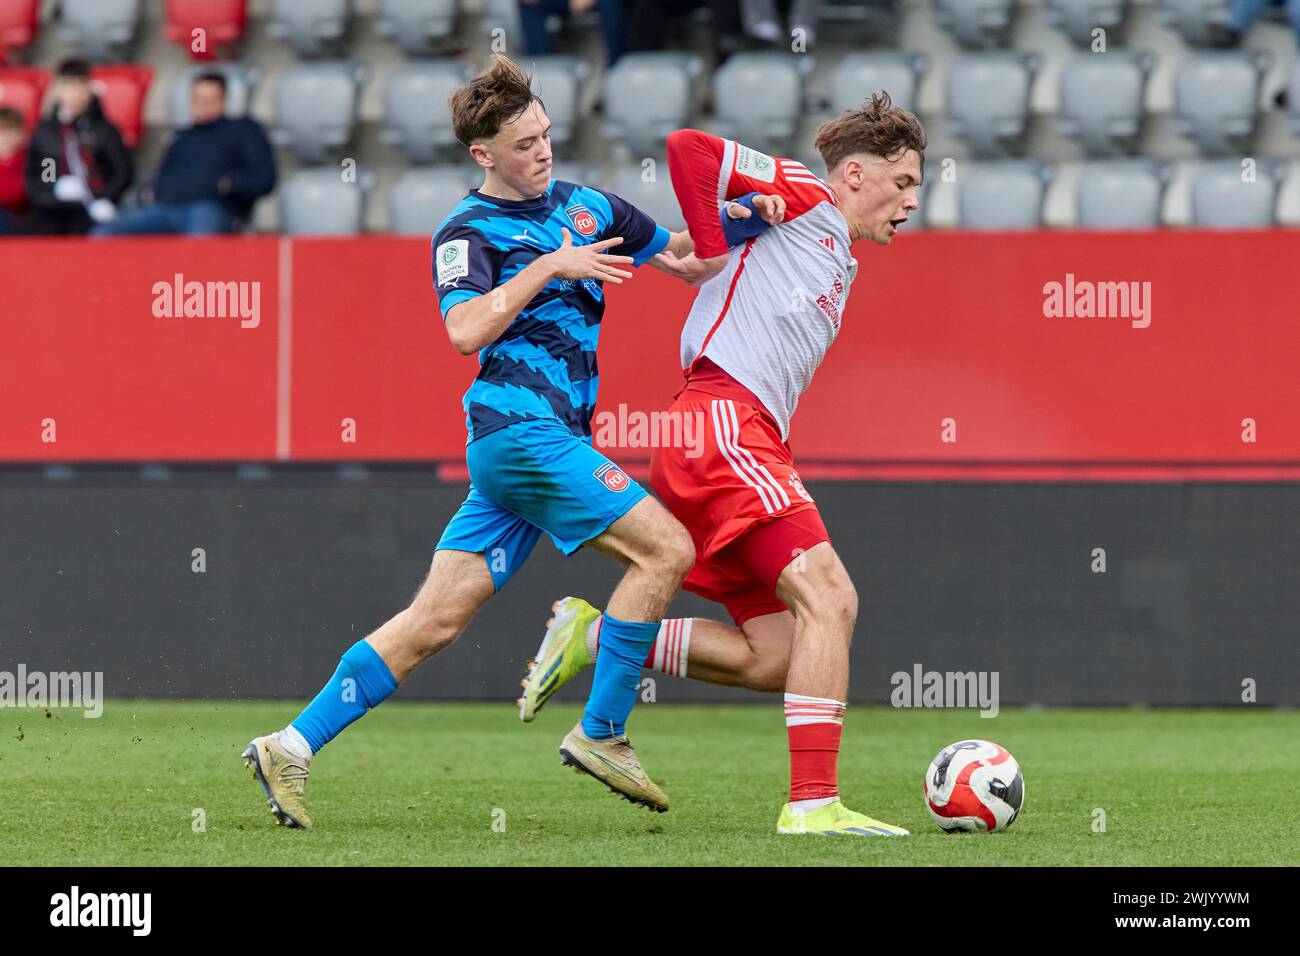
[[537, 41], [202, 218], [6, 222], [1245, 12]]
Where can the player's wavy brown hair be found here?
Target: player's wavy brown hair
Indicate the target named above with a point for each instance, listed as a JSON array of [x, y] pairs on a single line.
[[496, 96], [877, 127]]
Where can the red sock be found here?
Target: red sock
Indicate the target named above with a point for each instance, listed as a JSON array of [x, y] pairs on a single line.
[[813, 725]]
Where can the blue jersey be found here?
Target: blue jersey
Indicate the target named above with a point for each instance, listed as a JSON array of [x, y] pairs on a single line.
[[544, 364]]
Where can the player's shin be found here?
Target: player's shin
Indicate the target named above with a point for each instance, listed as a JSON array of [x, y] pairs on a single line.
[[623, 649], [361, 682]]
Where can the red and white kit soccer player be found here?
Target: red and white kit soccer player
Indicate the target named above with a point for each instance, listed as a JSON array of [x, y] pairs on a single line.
[[767, 311]]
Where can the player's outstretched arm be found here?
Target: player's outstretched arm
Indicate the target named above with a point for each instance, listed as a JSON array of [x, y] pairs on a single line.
[[478, 322]]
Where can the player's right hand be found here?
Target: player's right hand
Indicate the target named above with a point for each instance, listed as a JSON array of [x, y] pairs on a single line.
[[588, 262]]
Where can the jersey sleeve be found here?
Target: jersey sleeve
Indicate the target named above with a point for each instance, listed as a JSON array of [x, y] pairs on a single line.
[[465, 265], [707, 170], [643, 239]]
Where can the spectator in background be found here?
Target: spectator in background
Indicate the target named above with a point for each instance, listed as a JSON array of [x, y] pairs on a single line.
[[1242, 13], [13, 155], [648, 22], [762, 19], [77, 166], [211, 175], [533, 15]]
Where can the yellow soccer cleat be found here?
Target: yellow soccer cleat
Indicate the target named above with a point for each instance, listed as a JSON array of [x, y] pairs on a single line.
[[834, 819], [613, 763], [563, 653], [284, 778]]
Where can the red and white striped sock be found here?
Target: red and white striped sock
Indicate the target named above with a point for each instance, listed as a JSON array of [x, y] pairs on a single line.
[[670, 648], [813, 725]]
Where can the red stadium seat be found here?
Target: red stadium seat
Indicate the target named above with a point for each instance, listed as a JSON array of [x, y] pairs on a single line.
[[23, 88], [19, 20], [122, 90], [223, 20]]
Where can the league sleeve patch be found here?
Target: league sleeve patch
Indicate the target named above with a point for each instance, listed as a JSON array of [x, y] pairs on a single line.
[[755, 165], [614, 477], [453, 261]]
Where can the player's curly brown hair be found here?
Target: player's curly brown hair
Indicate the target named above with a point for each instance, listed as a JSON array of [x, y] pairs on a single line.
[[878, 128], [497, 95]]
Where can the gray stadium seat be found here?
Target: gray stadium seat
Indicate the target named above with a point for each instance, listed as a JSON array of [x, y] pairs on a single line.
[[1120, 194], [1216, 99], [241, 83], [416, 26], [858, 75], [1002, 195], [559, 81], [1100, 101], [988, 101], [1222, 200], [415, 108], [977, 24], [312, 28], [768, 122], [656, 199], [317, 202], [1192, 18], [1078, 18], [502, 15], [647, 96], [585, 174], [100, 29], [316, 108], [422, 198], [1293, 99]]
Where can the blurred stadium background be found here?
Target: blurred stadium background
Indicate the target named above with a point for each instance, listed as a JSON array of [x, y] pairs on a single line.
[[128, 441]]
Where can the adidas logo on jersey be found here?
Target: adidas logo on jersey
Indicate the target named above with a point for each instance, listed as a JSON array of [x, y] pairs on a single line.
[[828, 242]]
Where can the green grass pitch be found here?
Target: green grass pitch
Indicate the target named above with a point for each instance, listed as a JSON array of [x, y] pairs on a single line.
[[421, 783]]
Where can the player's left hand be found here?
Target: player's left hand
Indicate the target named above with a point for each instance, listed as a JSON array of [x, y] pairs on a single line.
[[770, 208], [689, 269]]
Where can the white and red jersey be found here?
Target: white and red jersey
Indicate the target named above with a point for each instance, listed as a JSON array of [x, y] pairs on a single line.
[[769, 316]]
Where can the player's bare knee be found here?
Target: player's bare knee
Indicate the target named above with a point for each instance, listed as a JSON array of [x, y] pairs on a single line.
[[673, 554]]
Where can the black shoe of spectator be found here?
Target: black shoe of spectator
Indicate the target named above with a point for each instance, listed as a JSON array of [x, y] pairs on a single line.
[[1281, 99], [1221, 36]]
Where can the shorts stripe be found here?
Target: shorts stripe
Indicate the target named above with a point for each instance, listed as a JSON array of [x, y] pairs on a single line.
[[736, 446], [721, 425]]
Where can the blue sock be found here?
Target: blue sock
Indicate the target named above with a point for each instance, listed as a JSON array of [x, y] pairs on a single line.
[[623, 649], [362, 681]]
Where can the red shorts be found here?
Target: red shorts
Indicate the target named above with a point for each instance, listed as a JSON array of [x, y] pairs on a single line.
[[735, 488]]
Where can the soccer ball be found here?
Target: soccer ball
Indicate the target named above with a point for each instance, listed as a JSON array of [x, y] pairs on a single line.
[[974, 785]]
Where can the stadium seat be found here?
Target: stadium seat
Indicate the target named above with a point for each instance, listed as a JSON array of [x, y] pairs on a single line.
[[222, 22], [316, 108], [656, 198], [559, 81], [1222, 198], [988, 101], [1002, 195], [1100, 102], [1078, 18], [1216, 99], [422, 198], [1120, 194], [242, 82], [312, 28], [501, 15], [19, 21], [100, 29], [317, 202], [415, 117], [1192, 18], [766, 122], [977, 24], [122, 89], [1293, 99], [585, 174], [22, 88], [858, 75], [416, 26], [647, 96]]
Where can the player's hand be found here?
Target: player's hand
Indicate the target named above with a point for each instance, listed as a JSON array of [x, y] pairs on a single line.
[[581, 6], [588, 262], [770, 208], [690, 269]]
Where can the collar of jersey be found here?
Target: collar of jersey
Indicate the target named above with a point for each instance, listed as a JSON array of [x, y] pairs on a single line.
[[535, 203]]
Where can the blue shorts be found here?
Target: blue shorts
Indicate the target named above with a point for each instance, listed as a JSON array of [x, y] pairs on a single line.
[[531, 477]]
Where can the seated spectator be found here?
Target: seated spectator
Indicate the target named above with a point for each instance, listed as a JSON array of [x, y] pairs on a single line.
[[13, 154], [211, 175], [77, 167], [762, 19], [1242, 14], [648, 22], [533, 15]]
